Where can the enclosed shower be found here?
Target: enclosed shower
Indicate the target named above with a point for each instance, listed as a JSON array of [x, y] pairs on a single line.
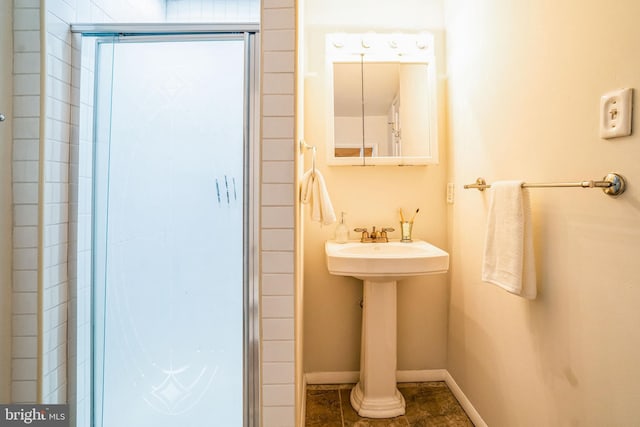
[[167, 183]]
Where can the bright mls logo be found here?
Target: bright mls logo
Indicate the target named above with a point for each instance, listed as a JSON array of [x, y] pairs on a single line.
[[34, 415]]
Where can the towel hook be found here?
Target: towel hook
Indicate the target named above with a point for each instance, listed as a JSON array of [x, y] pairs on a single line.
[[304, 145], [313, 160]]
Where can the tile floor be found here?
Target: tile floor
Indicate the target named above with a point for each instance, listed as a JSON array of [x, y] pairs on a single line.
[[428, 404]]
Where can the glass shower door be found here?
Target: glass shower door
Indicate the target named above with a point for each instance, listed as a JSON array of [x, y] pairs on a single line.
[[168, 233]]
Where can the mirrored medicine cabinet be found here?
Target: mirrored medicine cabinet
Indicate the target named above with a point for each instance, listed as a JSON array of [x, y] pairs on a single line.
[[382, 99]]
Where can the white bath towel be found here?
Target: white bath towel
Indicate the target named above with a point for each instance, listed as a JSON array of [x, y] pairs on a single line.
[[314, 192], [508, 252]]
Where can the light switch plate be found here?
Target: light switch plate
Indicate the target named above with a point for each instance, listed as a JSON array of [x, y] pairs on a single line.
[[615, 113], [450, 192]]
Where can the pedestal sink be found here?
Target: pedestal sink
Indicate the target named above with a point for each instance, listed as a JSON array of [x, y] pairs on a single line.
[[380, 266]]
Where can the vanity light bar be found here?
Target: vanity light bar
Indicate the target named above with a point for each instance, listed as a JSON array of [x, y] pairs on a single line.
[[412, 45]]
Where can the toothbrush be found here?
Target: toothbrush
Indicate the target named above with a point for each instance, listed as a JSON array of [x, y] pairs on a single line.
[[401, 215], [414, 215]]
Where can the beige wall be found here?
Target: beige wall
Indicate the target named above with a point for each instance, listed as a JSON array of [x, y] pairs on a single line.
[[370, 196], [6, 53], [525, 80]]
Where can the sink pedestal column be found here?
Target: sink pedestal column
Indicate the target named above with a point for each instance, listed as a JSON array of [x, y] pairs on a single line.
[[376, 394]]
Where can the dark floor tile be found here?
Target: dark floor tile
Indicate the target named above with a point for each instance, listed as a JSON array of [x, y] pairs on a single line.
[[352, 419], [429, 404], [440, 421], [323, 408], [433, 404]]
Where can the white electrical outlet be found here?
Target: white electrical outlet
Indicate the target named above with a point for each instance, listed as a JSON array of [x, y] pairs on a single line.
[[615, 113]]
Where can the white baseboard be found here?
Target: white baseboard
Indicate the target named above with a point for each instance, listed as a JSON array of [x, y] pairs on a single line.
[[421, 376], [473, 415], [351, 377]]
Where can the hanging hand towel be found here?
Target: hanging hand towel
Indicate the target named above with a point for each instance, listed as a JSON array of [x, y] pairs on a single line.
[[508, 251], [314, 192]]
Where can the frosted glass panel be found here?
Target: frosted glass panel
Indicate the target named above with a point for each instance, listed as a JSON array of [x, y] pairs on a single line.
[[169, 263]]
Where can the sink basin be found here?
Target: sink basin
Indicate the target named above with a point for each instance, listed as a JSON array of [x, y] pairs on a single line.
[[385, 261]]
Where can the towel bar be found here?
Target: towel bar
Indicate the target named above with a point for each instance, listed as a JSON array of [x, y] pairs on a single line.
[[612, 184]]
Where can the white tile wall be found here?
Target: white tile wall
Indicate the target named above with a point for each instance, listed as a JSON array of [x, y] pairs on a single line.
[[278, 196], [277, 105], [212, 11], [277, 262], [280, 306], [275, 40], [277, 239], [277, 127], [55, 227], [277, 395], [277, 217], [278, 62], [277, 415], [278, 199], [277, 83], [26, 15], [24, 391], [26, 157], [279, 18], [277, 284], [274, 350]]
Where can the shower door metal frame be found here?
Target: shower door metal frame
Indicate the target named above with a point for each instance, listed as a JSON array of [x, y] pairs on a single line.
[[251, 173]]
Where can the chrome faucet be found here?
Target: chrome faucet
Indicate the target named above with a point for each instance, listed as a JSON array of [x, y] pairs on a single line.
[[375, 236]]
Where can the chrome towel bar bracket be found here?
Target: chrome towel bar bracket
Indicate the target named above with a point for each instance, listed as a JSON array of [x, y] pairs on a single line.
[[612, 184]]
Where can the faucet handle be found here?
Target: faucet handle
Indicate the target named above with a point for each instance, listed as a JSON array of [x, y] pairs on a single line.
[[364, 236], [383, 233], [361, 230]]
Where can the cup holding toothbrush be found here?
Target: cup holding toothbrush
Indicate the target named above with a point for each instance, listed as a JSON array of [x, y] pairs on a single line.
[[406, 228]]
